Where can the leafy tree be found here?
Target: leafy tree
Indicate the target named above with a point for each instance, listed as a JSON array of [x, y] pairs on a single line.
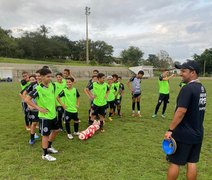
[[101, 52], [132, 56], [165, 61], [205, 60]]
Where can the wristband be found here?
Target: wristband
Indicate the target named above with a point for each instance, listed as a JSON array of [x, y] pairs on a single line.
[[169, 130]]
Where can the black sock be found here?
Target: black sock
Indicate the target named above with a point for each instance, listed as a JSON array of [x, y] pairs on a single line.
[[138, 106], [157, 108], [68, 130], [50, 144], [32, 137], [110, 114], [90, 122], [119, 110], [133, 106], [101, 124], [45, 152], [164, 107], [76, 127]]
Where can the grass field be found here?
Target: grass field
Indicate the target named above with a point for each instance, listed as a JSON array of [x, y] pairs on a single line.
[[53, 61], [129, 149]]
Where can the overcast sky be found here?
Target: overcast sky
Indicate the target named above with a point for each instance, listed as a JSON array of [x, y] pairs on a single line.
[[181, 27]]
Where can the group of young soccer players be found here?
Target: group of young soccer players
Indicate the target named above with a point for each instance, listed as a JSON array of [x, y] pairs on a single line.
[[49, 104]]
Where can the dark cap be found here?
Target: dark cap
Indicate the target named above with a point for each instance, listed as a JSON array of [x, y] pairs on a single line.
[[192, 65]]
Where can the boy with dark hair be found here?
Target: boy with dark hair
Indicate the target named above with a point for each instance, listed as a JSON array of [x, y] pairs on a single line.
[[70, 104], [119, 96], [86, 90], [135, 89], [24, 83], [99, 95], [60, 84], [111, 96], [44, 94], [33, 113], [163, 92]]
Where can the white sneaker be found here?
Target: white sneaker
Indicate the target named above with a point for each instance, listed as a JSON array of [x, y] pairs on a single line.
[[48, 157], [52, 150], [70, 136], [76, 133]]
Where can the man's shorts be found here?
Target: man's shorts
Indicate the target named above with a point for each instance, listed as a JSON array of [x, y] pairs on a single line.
[[118, 101], [68, 116], [185, 153], [48, 125], [99, 110], [60, 109], [135, 95], [33, 116], [163, 97], [111, 104]]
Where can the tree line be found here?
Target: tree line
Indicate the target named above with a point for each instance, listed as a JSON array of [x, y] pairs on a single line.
[[38, 45]]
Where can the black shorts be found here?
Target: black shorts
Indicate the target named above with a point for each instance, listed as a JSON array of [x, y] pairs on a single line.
[[163, 97], [135, 95], [46, 125], [24, 107], [69, 116], [118, 101], [111, 104], [99, 110], [60, 109], [185, 153], [33, 116]]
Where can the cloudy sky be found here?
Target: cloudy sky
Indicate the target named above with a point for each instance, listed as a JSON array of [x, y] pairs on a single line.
[[181, 27]]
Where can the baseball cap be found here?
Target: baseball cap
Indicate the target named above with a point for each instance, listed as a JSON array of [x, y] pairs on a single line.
[[192, 65]]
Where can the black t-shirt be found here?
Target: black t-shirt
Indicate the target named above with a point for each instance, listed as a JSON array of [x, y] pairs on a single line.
[[193, 98]]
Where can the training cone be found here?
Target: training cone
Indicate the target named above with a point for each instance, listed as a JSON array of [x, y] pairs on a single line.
[[169, 146]]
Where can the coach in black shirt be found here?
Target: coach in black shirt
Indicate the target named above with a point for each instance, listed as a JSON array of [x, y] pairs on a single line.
[[187, 124]]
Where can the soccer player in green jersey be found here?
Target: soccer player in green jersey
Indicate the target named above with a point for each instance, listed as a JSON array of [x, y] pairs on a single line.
[[163, 92], [111, 96], [44, 94], [99, 95], [24, 83], [70, 104], [60, 84]]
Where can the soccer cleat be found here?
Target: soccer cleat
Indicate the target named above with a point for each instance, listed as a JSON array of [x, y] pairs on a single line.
[[48, 157], [31, 142], [70, 136], [154, 115], [52, 150], [76, 133], [139, 115], [163, 116], [28, 128], [110, 119], [36, 136], [102, 130]]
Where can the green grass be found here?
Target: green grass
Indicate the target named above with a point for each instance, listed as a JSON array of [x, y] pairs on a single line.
[[50, 61], [129, 149]]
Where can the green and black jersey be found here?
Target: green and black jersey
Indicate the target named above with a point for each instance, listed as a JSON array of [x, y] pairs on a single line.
[[58, 88], [45, 98], [163, 85], [99, 91], [70, 99], [24, 84]]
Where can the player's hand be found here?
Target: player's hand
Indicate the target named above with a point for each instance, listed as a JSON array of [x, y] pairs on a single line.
[[93, 97], [168, 135], [64, 106], [172, 75], [42, 110], [77, 106]]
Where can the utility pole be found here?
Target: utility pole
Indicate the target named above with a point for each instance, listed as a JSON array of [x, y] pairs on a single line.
[[87, 13], [204, 68]]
